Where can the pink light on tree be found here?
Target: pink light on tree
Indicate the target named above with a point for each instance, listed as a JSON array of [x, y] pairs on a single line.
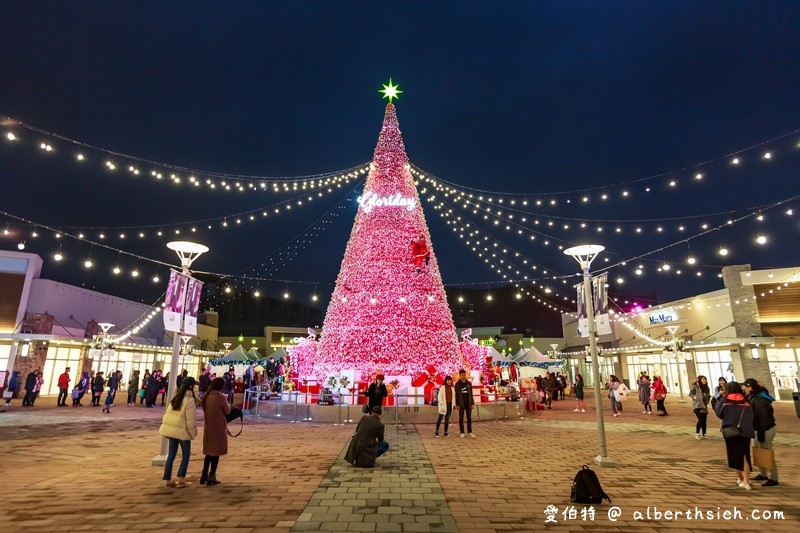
[[383, 314]]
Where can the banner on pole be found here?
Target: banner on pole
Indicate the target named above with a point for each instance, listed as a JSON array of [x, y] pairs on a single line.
[[583, 321], [600, 302], [174, 301], [194, 289]]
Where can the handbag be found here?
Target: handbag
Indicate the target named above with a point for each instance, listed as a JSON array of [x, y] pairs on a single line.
[[730, 432], [76, 394], [233, 415], [141, 393], [763, 458], [659, 396]]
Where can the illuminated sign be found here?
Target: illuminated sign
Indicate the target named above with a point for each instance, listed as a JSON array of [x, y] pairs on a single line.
[[486, 342], [370, 201], [662, 318]]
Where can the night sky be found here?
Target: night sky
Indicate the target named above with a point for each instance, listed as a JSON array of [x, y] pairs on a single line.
[[519, 97]]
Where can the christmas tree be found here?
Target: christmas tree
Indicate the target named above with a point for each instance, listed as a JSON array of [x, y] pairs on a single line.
[[388, 312]]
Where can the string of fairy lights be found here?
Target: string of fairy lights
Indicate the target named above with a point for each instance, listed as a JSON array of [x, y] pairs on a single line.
[[51, 144], [517, 213], [764, 152]]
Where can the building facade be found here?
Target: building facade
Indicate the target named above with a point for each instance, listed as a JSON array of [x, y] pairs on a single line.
[[748, 329]]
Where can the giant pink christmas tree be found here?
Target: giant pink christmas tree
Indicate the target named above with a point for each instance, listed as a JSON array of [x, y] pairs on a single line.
[[383, 315]]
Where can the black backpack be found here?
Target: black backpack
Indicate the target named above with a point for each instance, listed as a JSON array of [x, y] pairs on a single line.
[[586, 487]]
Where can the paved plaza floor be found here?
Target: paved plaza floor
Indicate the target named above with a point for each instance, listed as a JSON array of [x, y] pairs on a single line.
[[67, 469]]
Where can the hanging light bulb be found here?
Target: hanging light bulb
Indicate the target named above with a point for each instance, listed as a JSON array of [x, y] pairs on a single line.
[[257, 294], [489, 297], [228, 289], [761, 239], [155, 278], [21, 245], [58, 256], [314, 298], [691, 260], [88, 263], [460, 299], [116, 270], [723, 251], [135, 273], [286, 295], [10, 136]]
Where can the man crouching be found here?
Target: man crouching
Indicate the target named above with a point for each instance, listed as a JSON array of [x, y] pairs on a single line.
[[367, 443]]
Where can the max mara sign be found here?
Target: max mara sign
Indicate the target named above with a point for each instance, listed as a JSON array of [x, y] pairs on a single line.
[[661, 318], [370, 201]]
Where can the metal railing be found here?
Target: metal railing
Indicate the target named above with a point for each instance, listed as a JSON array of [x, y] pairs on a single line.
[[297, 406]]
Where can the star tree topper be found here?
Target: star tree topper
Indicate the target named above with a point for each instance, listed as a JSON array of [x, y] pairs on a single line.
[[390, 91]]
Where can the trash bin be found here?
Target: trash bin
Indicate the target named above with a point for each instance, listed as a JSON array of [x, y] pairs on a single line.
[[796, 398]]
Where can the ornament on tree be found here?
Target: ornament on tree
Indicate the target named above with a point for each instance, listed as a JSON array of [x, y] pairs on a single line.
[[382, 315], [420, 252]]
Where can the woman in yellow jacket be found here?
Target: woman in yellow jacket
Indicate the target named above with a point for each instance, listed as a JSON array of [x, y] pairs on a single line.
[[179, 426]]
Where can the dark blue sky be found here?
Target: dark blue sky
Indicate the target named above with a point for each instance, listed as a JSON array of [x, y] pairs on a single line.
[[516, 96]]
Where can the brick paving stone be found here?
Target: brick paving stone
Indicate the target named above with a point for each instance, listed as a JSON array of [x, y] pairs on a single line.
[[79, 470], [390, 493]]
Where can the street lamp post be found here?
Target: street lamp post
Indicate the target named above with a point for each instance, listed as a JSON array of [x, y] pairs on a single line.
[[584, 255], [105, 326], [187, 252], [672, 331]]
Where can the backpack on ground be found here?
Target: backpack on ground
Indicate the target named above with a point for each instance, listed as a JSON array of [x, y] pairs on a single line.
[[586, 487]]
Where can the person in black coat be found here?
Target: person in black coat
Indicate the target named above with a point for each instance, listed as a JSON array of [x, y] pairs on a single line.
[[152, 386], [30, 384], [133, 388], [464, 402], [376, 392], [736, 412], [97, 389], [764, 426], [205, 381], [368, 442]]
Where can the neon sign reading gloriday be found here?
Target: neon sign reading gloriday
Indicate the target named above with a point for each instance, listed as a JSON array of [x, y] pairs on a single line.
[[370, 201]]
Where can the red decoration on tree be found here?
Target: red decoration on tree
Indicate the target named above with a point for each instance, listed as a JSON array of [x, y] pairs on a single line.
[[382, 314]]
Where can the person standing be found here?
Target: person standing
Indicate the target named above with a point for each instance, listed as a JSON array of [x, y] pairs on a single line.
[[164, 388], [13, 383], [445, 405], [113, 386], [718, 391], [660, 394], [737, 430], [764, 426], [613, 386], [38, 386], [153, 386], [97, 389], [644, 393], [230, 384], [63, 388], [133, 388], [215, 430], [179, 426], [272, 369], [701, 395], [205, 381], [30, 384], [368, 442], [579, 394], [281, 374], [547, 384], [376, 393], [143, 386], [464, 402], [84, 385]]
